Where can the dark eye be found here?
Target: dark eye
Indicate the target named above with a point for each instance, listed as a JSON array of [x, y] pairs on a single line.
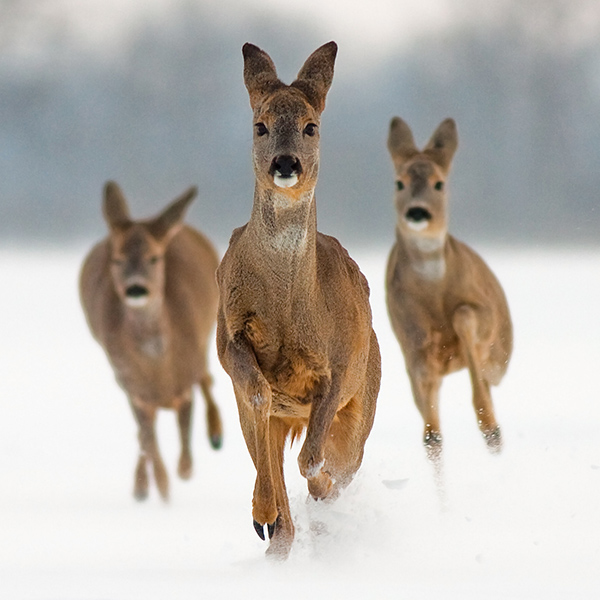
[[310, 129], [439, 186], [154, 259], [399, 185], [116, 262], [261, 129]]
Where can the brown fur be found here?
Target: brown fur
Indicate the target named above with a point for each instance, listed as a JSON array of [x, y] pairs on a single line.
[[158, 351], [294, 324], [446, 307]]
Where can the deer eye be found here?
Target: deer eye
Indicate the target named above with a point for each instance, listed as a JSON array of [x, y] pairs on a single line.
[[154, 259], [399, 185], [261, 129], [310, 129], [439, 186]]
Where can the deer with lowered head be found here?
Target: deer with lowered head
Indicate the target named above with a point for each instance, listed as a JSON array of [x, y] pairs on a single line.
[[150, 298], [447, 308], [294, 322]]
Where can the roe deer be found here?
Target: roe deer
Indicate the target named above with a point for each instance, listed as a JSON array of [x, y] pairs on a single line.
[[150, 298], [447, 309], [294, 322]]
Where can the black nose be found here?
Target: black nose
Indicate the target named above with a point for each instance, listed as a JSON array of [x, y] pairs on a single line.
[[418, 214], [286, 166], [136, 291]]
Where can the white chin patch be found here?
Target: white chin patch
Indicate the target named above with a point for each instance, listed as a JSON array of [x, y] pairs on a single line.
[[417, 225], [285, 182], [139, 302]]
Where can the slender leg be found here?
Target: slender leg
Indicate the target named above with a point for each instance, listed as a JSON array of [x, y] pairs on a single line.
[[282, 532], [465, 322], [312, 455], [146, 418], [213, 417], [425, 386], [184, 420]]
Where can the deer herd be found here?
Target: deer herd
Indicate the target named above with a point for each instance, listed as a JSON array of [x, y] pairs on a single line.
[[293, 318]]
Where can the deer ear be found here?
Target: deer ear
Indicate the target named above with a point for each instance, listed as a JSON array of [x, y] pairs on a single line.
[[316, 75], [170, 220], [115, 207], [443, 143], [260, 76], [401, 143]]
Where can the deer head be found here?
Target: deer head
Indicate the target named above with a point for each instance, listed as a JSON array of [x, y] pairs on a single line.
[[287, 118], [137, 248], [421, 201]]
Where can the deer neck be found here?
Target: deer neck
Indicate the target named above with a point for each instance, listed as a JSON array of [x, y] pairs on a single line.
[[147, 328], [425, 255], [283, 229]]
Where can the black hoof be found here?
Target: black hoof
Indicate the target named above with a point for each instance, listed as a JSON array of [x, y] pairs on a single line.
[[271, 528], [216, 441], [259, 530]]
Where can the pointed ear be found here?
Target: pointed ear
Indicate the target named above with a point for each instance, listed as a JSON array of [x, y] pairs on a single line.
[[260, 75], [170, 220], [401, 143], [116, 212], [316, 75], [443, 143]]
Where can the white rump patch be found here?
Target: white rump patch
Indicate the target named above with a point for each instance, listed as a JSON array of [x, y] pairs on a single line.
[[285, 182]]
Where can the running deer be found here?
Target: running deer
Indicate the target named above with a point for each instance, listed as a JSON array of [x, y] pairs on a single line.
[[294, 322], [150, 298], [447, 309]]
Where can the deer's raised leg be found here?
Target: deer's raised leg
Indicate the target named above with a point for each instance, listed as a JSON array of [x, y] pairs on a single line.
[[466, 324], [146, 418], [312, 455]]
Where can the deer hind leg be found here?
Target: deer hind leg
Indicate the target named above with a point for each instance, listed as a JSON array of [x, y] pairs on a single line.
[[184, 420], [213, 417], [465, 322], [425, 383], [282, 531], [146, 418]]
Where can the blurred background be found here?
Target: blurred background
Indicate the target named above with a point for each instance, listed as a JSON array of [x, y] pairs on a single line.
[[150, 93]]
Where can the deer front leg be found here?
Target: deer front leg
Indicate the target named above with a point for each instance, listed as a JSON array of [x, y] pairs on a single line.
[[425, 383], [254, 396], [466, 324], [146, 417], [312, 455]]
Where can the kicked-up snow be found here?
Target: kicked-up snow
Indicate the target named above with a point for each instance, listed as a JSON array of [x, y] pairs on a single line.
[[521, 525]]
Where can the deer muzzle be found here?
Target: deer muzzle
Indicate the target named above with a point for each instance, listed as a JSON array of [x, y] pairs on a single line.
[[285, 170], [417, 217], [136, 295]]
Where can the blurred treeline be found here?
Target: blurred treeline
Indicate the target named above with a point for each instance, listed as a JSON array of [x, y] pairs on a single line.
[[169, 109]]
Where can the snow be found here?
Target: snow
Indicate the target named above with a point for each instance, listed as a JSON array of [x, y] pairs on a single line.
[[521, 525]]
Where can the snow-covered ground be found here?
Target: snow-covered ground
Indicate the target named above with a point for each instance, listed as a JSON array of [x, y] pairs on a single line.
[[522, 525]]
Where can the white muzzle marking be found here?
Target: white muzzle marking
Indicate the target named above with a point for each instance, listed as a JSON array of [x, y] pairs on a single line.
[[285, 182]]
